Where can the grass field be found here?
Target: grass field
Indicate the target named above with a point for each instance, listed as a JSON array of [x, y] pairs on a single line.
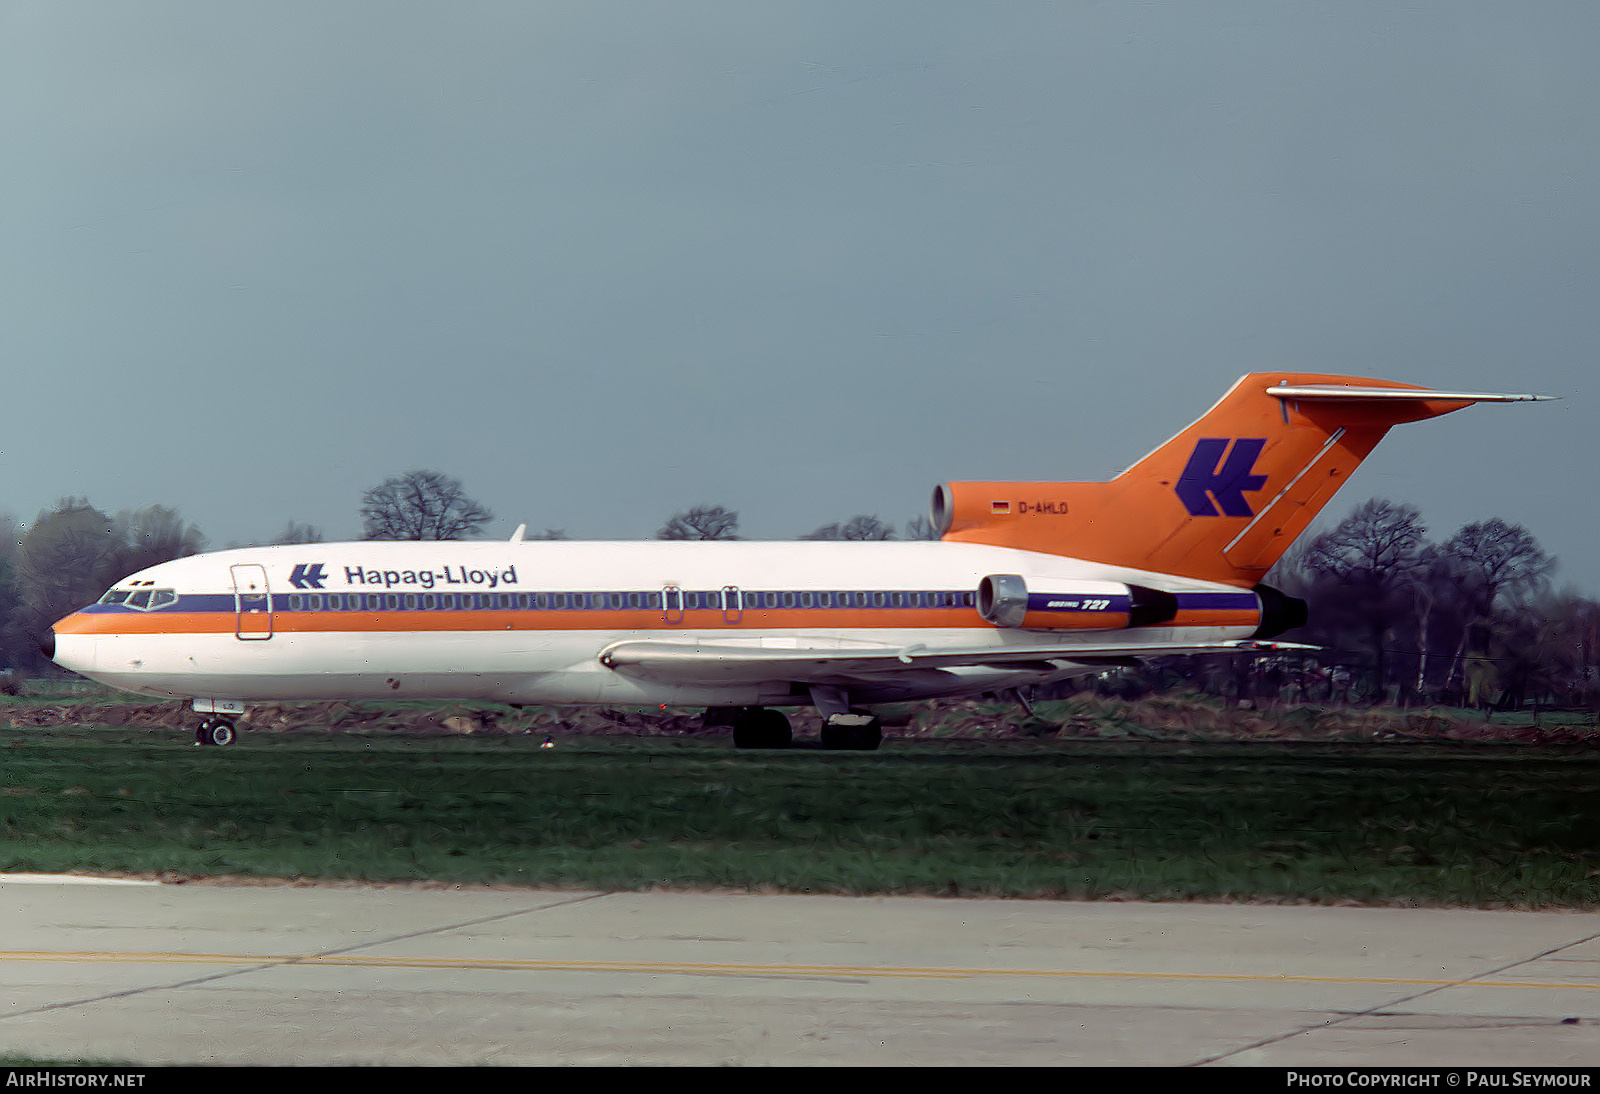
[[1482, 825]]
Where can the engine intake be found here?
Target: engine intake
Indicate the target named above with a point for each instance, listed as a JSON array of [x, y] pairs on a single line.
[[1003, 599]]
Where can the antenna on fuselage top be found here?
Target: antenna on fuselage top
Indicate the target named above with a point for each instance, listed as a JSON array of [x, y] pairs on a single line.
[[516, 537]]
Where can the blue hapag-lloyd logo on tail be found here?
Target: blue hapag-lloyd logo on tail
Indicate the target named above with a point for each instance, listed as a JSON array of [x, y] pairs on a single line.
[[1209, 475]]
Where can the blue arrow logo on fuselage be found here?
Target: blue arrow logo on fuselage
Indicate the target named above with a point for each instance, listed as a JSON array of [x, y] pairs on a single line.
[[307, 576]]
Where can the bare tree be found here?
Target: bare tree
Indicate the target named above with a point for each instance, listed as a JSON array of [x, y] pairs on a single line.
[[65, 560], [856, 528], [701, 522], [1492, 559], [1368, 559], [921, 528], [1428, 585], [153, 535], [1503, 558], [421, 505], [295, 532], [10, 590]]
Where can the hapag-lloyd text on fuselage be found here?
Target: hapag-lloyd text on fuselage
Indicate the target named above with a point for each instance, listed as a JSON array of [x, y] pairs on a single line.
[[427, 579]]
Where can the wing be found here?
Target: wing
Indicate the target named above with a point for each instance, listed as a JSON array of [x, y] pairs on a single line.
[[699, 663]]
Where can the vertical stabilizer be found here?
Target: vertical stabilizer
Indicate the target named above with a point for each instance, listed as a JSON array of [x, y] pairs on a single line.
[[1223, 499]]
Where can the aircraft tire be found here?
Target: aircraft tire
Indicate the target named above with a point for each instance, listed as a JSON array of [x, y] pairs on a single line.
[[761, 728], [216, 731], [856, 738]]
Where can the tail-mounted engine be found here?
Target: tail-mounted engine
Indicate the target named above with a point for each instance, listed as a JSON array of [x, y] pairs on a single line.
[[1006, 601], [1009, 600]]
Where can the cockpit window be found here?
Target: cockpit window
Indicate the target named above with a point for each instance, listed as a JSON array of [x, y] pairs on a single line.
[[144, 600]]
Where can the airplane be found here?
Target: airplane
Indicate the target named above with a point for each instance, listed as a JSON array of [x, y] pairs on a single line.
[[1029, 583]]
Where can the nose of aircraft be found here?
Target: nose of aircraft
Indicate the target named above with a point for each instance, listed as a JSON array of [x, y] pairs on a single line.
[[47, 644]]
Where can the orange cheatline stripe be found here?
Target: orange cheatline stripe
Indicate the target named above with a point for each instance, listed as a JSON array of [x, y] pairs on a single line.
[[1075, 621], [1214, 618]]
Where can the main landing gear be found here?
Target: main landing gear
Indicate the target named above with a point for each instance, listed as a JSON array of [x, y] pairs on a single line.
[[215, 731], [759, 727], [853, 731]]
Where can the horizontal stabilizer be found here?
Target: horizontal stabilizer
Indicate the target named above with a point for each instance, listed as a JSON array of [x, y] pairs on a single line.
[[1345, 391]]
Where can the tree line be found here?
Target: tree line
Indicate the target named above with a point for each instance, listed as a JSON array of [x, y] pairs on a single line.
[[1469, 620], [72, 552]]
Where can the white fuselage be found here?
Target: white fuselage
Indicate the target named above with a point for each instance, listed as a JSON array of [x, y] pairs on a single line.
[[528, 622]]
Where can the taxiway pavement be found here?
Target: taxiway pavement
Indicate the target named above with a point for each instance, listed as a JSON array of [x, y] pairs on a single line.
[[285, 974]]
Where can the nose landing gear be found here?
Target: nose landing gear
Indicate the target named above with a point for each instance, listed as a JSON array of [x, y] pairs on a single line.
[[215, 731]]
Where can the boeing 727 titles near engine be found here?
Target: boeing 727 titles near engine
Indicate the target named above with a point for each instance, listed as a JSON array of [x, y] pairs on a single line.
[[1028, 584]]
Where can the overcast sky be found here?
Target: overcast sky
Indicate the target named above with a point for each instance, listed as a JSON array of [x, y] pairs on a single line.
[[605, 260]]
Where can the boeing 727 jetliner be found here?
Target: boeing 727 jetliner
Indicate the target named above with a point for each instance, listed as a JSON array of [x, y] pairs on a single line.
[[1030, 582]]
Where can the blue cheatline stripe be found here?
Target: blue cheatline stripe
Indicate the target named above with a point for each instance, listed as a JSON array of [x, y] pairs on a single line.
[[1216, 601], [748, 600], [622, 600]]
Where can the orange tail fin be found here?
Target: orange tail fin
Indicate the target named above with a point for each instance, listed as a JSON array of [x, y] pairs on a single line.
[[1222, 500]]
